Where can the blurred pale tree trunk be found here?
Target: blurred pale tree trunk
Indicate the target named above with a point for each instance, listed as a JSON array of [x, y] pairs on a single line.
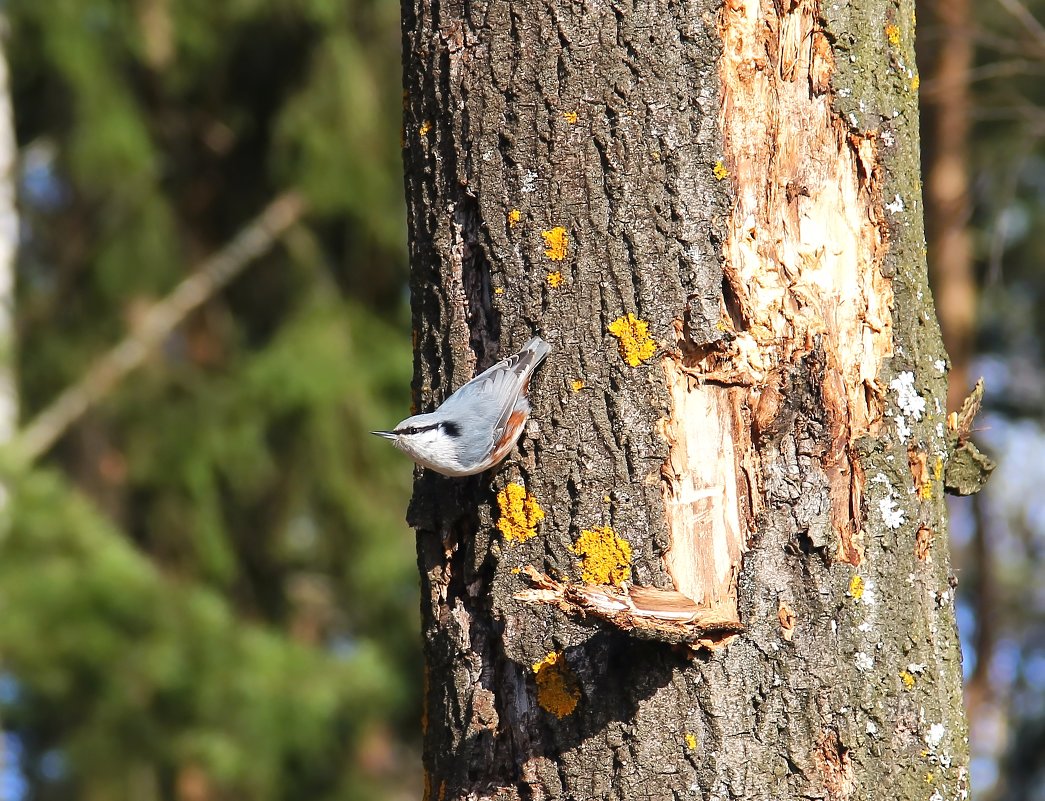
[[713, 215], [8, 249]]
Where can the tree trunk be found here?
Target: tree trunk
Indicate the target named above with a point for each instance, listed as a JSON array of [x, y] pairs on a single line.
[[713, 215], [8, 252], [947, 202]]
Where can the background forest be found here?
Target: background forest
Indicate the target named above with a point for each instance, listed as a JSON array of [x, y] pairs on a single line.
[[207, 590]]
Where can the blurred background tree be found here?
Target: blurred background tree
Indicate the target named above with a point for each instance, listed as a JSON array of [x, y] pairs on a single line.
[[983, 136], [206, 584]]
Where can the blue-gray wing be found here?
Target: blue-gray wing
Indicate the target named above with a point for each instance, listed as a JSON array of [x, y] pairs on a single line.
[[486, 402]]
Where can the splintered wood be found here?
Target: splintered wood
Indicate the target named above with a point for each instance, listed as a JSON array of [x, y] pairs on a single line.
[[803, 270], [644, 612], [702, 486]]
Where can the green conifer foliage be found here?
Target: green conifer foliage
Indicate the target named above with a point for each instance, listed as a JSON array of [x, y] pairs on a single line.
[[207, 585]]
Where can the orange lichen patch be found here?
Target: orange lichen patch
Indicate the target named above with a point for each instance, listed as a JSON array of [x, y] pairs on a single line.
[[856, 587], [556, 243], [424, 127], [513, 217], [786, 615], [577, 385], [605, 557], [555, 279], [892, 33], [720, 172], [907, 678], [923, 544], [520, 513], [558, 690], [916, 83], [570, 117], [691, 741], [635, 344]]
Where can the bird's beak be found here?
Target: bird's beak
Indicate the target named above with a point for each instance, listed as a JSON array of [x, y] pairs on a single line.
[[385, 434]]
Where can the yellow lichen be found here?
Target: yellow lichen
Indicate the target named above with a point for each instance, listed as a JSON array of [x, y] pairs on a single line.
[[499, 290], [577, 385], [556, 243], [856, 587], [938, 468], [907, 678], [558, 690], [605, 557], [930, 777], [555, 279], [655, 155], [425, 127], [636, 345], [892, 32], [520, 513], [916, 81], [925, 491], [691, 741], [720, 172], [513, 217], [571, 117]]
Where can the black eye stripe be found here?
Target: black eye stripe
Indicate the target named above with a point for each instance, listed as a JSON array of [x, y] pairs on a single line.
[[419, 429]]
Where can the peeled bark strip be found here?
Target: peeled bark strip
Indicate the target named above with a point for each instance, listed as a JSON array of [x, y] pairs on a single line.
[[713, 215]]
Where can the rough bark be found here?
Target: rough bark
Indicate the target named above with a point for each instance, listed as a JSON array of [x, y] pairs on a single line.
[[713, 215]]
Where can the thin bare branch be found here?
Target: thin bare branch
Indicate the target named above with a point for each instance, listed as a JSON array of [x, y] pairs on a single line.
[[157, 323], [1025, 18]]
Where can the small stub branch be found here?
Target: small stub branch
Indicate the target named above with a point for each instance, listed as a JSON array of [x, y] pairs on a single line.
[[644, 612]]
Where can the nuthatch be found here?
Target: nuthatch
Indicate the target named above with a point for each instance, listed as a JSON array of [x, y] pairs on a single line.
[[477, 426]]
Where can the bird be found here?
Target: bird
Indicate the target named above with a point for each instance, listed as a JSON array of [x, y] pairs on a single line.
[[476, 427]]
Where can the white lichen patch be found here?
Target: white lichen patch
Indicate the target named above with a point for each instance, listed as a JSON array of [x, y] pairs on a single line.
[[908, 400], [940, 365], [896, 206], [892, 516], [916, 667], [935, 736], [872, 729], [863, 661]]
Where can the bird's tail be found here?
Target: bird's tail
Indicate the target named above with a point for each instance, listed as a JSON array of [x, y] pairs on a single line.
[[531, 355]]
